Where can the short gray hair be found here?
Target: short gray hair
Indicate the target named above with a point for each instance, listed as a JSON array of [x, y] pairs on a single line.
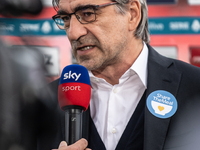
[[142, 31]]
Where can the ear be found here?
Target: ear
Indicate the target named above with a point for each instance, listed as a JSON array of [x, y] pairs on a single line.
[[134, 14]]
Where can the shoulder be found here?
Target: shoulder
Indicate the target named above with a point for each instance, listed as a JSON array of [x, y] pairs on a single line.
[[188, 71], [49, 93], [169, 62], [54, 84]]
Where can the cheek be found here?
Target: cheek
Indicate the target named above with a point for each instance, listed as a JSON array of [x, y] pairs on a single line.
[[103, 27], [113, 29]]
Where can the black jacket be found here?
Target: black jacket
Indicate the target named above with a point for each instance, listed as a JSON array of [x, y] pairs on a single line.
[[179, 132]]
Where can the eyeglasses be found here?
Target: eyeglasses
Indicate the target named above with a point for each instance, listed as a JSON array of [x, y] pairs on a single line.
[[84, 14]]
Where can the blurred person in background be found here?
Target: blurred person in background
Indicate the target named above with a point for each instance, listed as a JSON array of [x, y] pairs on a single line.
[[22, 106], [140, 100]]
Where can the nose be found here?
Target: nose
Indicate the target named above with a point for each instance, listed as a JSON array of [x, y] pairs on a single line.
[[76, 29]]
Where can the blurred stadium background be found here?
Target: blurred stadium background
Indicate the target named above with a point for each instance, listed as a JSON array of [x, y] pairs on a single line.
[[174, 27], [34, 52]]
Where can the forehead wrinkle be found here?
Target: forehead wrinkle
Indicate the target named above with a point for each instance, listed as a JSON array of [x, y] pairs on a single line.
[[63, 9], [61, 12], [67, 6], [73, 5]]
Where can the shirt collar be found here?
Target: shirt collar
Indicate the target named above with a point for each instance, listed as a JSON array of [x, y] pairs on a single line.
[[140, 65]]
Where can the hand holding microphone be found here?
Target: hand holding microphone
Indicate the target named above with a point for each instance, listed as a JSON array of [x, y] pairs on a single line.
[[80, 144], [74, 94]]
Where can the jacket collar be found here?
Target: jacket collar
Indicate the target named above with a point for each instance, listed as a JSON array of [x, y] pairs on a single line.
[[162, 75]]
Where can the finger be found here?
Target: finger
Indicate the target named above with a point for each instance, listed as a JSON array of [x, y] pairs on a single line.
[[82, 143], [62, 144]]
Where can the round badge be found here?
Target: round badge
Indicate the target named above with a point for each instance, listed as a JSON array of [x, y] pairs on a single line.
[[162, 104]]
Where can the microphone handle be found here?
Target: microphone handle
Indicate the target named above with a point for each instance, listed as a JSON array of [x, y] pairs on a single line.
[[73, 125]]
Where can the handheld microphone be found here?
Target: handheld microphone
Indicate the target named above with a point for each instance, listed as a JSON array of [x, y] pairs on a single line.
[[74, 94]]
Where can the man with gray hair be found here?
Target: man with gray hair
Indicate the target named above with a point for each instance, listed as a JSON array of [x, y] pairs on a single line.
[[140, 100]]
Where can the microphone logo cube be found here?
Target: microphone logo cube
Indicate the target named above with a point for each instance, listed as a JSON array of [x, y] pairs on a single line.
[[74, 87]]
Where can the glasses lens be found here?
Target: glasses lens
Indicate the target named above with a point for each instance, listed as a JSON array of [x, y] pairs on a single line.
[[60, 23], [86, 15]]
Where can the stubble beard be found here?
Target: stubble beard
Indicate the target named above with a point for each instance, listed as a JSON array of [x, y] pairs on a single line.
[[98, 61], [91, 62]]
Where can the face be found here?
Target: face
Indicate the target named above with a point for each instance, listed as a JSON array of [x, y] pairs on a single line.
[[101, 43]]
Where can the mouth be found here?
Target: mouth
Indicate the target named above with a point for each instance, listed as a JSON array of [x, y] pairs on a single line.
[[84, 48]]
